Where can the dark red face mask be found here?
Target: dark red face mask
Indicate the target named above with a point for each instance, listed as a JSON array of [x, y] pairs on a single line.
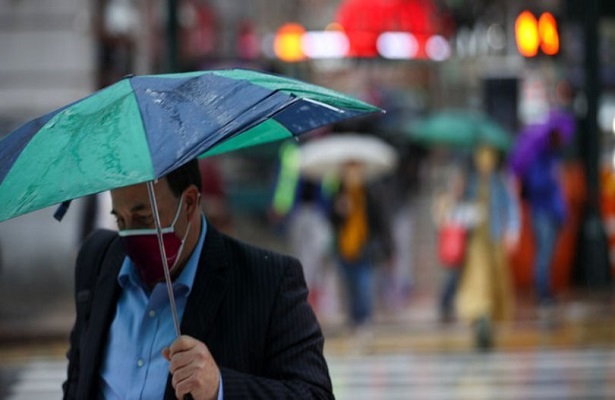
[[142, 247]]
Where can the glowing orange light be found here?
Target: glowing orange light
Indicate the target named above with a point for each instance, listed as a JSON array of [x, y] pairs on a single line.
[[526, 34], [549, 37], [287, 43]]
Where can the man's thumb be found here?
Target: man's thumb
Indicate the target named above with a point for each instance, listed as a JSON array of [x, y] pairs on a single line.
[[166, 353]]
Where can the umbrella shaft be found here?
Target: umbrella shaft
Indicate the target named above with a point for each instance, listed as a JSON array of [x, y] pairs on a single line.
[[167, 273]]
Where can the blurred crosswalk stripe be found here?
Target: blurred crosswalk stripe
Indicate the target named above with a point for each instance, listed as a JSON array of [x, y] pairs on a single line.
[[572, 374], [37, 379], [587, 374]]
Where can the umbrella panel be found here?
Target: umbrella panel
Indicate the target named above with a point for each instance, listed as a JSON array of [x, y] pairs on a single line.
[[143, 127], [67, 160], [459, 128], [323, 157], [199, 113]]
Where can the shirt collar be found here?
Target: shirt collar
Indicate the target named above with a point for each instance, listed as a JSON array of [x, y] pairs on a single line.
[[128, 276]]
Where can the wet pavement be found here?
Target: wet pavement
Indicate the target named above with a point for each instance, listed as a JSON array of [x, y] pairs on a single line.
[[578, 322], [412, 355]]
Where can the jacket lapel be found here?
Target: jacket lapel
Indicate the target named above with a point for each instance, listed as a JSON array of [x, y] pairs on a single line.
[[208, 288], [207, 292]]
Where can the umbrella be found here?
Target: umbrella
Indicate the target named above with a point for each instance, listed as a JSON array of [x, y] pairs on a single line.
[[534, 138], [321, 157], [459, 128], [140, 128]]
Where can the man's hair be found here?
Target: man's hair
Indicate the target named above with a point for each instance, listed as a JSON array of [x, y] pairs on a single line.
[[181, 178]]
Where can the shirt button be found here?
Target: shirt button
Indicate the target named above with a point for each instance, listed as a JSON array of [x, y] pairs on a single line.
[[140, 363], [152, 313]]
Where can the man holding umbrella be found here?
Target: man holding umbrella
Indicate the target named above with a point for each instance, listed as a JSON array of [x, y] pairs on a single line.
[[248, 331]]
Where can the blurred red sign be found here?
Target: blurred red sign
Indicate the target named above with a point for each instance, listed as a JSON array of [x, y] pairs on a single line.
[[364, 21]]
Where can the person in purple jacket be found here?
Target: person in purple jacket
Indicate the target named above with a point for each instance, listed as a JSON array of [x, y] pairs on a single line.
[[543, 191]]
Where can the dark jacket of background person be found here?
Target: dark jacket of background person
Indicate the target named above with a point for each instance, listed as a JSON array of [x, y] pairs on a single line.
[[248, 305], [542, 188], [378, 246]]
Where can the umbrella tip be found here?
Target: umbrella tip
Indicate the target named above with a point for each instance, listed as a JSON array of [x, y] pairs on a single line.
[[128, 76], [61, 210]]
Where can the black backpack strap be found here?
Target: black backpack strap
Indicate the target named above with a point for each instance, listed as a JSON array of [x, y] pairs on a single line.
[[89, 261]]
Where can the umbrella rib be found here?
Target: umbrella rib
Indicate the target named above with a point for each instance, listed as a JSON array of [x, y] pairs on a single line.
[[330, 107]]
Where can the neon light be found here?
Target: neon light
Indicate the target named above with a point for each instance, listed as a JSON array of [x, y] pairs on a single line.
[[526, 34], [437, 48], [549, 37], [325, 44], [397, 45], [287, 43]]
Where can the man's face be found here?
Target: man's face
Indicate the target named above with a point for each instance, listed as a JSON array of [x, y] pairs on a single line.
[[132, 208]]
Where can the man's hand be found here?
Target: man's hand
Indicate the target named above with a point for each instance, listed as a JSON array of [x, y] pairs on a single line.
[[193, 368]]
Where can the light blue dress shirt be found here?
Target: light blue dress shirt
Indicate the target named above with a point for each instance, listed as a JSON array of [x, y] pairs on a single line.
[[133, 365]]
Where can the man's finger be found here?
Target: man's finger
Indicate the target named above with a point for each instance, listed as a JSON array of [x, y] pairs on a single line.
[[184, 381], [182, 343], [184, 388], [181, 360], [181, 374]]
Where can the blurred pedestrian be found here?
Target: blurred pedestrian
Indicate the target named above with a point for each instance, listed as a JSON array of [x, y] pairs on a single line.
[[485, 292], [361, 241], [310, 238], [541, 187], [443, 212], [286, 183]]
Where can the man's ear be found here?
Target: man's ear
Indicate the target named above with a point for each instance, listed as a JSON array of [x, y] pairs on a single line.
[[192, 200]]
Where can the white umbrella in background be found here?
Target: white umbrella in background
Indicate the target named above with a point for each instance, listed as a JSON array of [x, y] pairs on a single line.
[[325, 156]]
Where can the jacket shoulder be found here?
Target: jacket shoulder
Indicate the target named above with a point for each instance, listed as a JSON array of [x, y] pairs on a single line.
[[250, 256], [257, 266], [92, 253]]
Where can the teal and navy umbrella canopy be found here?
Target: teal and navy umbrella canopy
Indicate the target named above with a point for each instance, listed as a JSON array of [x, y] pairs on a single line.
[[141, 128]]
